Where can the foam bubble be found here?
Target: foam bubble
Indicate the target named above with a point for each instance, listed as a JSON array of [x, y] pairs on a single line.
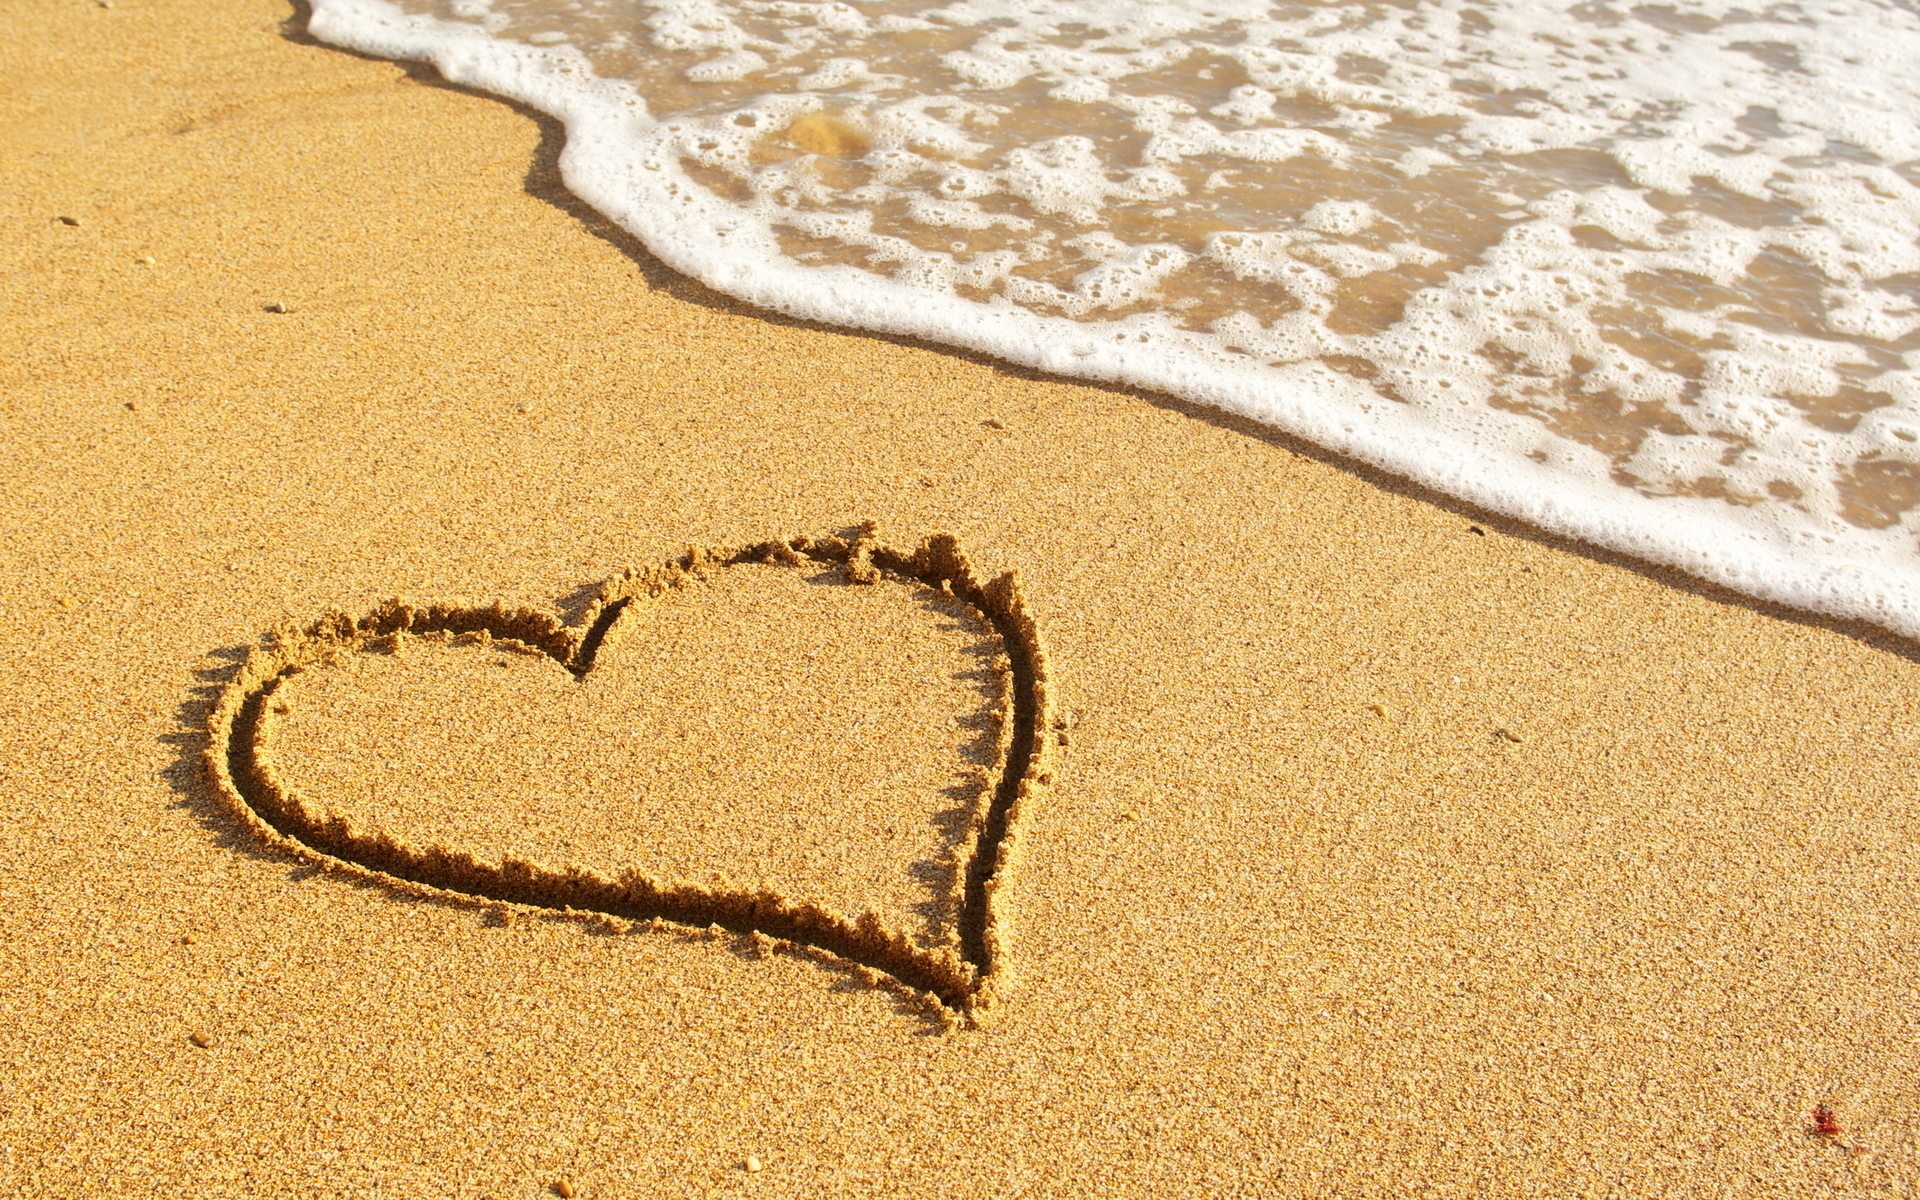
[[1647, 275]]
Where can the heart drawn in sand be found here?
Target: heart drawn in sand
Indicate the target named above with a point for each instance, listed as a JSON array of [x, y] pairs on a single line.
[[251, 745]]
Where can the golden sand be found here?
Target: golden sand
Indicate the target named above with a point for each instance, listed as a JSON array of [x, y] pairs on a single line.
[[1388, 850], [427, 770]]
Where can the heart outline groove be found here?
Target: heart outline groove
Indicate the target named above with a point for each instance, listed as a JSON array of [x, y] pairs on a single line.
[[240, 764]]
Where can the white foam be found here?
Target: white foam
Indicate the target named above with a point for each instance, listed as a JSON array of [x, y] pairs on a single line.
[[1645, 276]]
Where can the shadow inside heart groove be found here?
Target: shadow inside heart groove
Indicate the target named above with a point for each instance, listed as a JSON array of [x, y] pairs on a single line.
[[256, 755]]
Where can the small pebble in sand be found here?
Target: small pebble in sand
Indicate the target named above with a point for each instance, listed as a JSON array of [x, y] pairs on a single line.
[[275, 307], [994, 424], [563, 1188], [754, 1164], [201, 1039], [1508, 735], [1378, 710], [70, 222], [145, 260], [68, 602]]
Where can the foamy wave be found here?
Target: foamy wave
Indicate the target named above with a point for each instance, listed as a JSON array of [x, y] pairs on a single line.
[[1648, 277]]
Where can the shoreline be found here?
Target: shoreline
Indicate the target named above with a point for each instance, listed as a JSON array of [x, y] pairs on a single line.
[[1829, 566], [1395, 848]]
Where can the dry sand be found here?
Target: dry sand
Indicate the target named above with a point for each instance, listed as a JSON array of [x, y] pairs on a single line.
[[1394, 851]]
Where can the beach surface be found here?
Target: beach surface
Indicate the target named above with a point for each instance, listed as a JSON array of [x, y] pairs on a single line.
[[1386, 850]]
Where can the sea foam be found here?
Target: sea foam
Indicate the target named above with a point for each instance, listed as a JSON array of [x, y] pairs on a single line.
[[1648, 276]]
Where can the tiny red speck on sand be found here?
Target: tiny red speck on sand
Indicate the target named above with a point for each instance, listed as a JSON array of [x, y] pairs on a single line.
[[1824, 1123]]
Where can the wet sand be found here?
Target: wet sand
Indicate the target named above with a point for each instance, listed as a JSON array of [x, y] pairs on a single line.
[[1392, 850]]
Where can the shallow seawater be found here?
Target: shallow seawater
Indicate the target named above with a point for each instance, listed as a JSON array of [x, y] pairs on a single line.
[[1644, 274]]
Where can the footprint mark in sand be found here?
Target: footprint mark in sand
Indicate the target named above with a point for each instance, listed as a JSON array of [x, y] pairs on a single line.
[[960, 974]]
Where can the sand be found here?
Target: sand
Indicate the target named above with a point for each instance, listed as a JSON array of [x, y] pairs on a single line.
[[1393, 849]]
